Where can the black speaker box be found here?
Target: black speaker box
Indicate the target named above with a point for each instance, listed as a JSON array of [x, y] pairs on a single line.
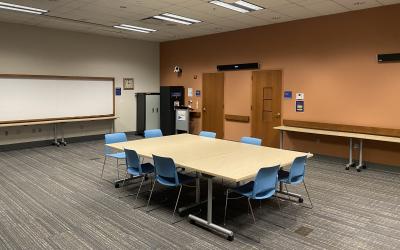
[[382, 58], [242, 66]]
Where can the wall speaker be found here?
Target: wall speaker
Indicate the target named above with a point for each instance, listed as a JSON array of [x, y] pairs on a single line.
[[242, 66], [382, 58]]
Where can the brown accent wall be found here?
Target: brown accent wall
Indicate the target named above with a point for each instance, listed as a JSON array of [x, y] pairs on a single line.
[[331, 59]]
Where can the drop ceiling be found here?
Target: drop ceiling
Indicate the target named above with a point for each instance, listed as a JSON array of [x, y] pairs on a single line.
[[99, 16]]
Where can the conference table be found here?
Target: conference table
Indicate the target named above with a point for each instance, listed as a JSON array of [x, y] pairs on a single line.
[[209, 158]]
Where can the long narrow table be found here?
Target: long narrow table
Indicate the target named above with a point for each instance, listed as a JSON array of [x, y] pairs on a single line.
[[59, 124], [212, 158], [349, 135]]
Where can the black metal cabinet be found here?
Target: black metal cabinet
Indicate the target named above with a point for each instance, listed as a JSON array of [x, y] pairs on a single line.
[[170, 97]]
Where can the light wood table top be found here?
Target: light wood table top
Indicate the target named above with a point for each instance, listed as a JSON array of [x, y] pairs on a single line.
[[17, 124], [340, 134], [228, 159]]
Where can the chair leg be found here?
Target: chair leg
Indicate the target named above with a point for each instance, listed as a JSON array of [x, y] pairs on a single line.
[[279, 203], [287, 193], [177, 200], [151, 192], [251, 210], [117, 169], [140, 187], [126, 176], [226, 205], [104, 164], [309, 198]]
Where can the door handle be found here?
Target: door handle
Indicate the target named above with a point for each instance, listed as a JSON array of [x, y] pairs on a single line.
[[204, 109]]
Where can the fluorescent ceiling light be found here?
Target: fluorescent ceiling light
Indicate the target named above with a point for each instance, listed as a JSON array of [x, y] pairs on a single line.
[[249, 5], [181, 18], [136, 27], [172, 20], [230, 6], [130, 29], [9, 6]]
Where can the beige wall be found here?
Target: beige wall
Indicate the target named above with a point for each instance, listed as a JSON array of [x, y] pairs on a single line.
[[32, 50], [332, 59]]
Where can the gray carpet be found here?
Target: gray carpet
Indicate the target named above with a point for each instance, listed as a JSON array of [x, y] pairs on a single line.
[[52, 198]]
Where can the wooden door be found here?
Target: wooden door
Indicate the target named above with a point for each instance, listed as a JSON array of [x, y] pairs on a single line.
[[266, 106], [213, 103]]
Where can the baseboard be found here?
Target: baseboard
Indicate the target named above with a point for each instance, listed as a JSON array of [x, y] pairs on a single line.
[[43, 143]]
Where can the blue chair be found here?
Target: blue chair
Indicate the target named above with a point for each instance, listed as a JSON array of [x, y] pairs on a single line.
[[263, 187], [108, 152], [152, 133], [166, 175], [295, 175], [135, 168], [208, 134], [251, 140]]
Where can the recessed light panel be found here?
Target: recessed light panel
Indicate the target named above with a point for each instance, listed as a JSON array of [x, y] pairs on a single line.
[[176, 19], [21, 8], [239, 6], [134, 28]]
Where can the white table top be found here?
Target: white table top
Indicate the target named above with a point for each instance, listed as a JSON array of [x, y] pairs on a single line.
[[228, 159], [340, 134], [17, 124]]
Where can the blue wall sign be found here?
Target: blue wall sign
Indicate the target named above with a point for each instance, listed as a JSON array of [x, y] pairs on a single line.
[[197, 92], [118, 91], [287, 94]]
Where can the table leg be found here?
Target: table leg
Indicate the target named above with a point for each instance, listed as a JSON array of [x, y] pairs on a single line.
[[281, 139], [63, 142], [198, 201], [361, 164], [351, 163], [208, 223], [55, 142]]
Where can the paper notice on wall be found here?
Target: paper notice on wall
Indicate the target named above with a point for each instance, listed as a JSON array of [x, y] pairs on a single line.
[[181, 115], [190, 92]]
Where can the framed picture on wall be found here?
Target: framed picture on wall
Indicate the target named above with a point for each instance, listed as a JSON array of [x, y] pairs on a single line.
[[129, 83]]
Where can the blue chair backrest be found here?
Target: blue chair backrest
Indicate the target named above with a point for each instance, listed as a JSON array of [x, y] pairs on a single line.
[[251, 140], [208, 134], [165, 169], [152, 133], [265, 181], [113, 138], [296, 173], [132, 160]]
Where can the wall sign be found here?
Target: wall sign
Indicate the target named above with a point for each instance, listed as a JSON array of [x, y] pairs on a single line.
[[299, 106], [287, 94], [190, 92], [299, 96], [118, 91], [197, 92]]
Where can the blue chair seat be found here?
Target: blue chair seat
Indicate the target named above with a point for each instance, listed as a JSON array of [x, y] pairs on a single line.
[[183, 179], [147, 168], [120, 155], [283, 175], [245, 190]]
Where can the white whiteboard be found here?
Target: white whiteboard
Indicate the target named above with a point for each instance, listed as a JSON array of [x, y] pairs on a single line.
[[32, 99]]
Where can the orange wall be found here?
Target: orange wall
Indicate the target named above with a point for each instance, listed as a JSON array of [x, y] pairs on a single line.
[[331, 59]]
